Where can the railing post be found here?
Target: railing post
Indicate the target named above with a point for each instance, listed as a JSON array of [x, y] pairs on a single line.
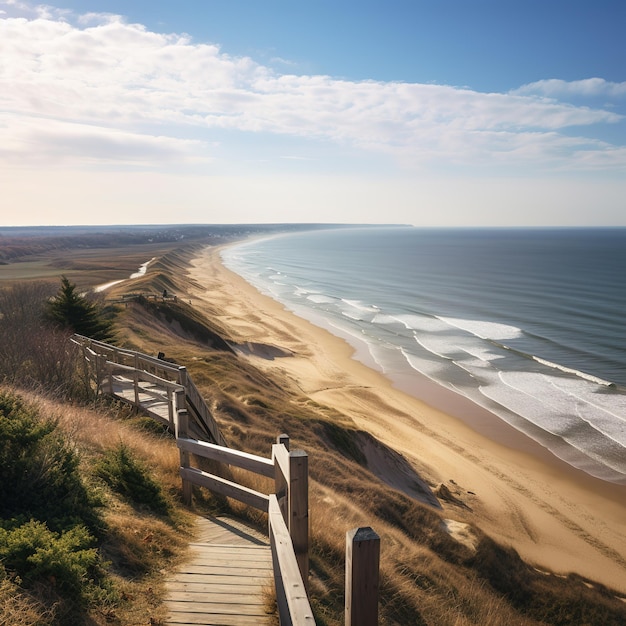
[[182, 376], [299, 510], [109, 369], [182, 427], [136, 379], [101, 371], [171, 408], [291, 478], [177, 404], [362, 577]]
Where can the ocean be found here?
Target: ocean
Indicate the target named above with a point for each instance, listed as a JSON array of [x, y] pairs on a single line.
[[529, 324]]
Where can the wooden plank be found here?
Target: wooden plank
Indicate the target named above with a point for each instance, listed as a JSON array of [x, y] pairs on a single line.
[[228, 594], [237, 558], [250, 462], [212, 620], [225, 487], [221, 608], [249, 543], [293, 603], [178, 588], [219, 579], [207, 558], [225, 567], [230, 548], [224, 572]]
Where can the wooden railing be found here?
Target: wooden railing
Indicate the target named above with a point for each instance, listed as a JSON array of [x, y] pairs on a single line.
[[287, 507], [109, 361]]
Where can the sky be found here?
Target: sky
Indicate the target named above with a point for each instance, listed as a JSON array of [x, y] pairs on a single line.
[[423, 112]]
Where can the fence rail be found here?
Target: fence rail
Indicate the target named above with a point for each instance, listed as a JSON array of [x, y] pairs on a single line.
[[143, 381]]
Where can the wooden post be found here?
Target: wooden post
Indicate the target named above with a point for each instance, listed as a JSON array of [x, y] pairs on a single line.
[[179, 402], [362, 577], [101, 367], [299, 510], [136, 379], [182, 376], [182, 427], [109, 368], [171, 408], [291, 477]]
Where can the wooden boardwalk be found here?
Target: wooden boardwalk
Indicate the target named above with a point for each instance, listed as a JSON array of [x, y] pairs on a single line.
[[232, 569], [152, 398], [226, 580]]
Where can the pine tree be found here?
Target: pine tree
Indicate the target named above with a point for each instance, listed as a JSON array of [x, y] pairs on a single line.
[[75, 312]]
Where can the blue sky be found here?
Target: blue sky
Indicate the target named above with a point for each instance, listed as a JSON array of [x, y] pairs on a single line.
[[434, 113]]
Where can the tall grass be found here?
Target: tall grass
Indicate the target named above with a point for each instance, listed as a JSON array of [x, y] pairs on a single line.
[[100, 558]]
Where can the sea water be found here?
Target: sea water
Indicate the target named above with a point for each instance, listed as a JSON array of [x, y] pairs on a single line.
[[530, 324]]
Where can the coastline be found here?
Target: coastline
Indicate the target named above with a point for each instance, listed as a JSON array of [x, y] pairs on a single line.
[[515, 491]]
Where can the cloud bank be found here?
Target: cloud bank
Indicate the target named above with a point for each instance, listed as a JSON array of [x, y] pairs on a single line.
[[93, 89]]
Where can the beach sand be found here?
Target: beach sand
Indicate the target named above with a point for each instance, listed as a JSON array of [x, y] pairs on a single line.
[[555, 516]]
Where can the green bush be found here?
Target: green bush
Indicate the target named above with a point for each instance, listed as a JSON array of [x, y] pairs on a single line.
[[75, 312], [40, 476], [131, 479], [67, 561]]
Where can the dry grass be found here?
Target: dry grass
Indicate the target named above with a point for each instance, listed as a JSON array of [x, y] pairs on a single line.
[[19, 608], [138, 546]]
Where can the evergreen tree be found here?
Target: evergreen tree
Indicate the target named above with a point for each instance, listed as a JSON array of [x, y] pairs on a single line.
[[75, 312]]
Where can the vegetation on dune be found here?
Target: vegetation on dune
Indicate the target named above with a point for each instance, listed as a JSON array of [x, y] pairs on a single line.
[[89, 496], [72, 311], [85, 528], [33, 352]]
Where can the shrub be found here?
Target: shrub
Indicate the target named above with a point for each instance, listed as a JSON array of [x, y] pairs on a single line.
[[130, 478], [40, 477], [67, 561]]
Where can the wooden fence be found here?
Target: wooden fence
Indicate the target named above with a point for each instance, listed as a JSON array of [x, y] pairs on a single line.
[[287, 509], [132, 376]]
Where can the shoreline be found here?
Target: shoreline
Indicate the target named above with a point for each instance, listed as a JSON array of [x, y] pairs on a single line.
[[457, 405], [516, 491]]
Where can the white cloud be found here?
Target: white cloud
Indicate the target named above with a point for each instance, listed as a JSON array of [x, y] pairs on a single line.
[[589, 87], [97, 88], [58, 143]]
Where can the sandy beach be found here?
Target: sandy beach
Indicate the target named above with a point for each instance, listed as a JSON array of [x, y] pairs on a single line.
[[555, 516]]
